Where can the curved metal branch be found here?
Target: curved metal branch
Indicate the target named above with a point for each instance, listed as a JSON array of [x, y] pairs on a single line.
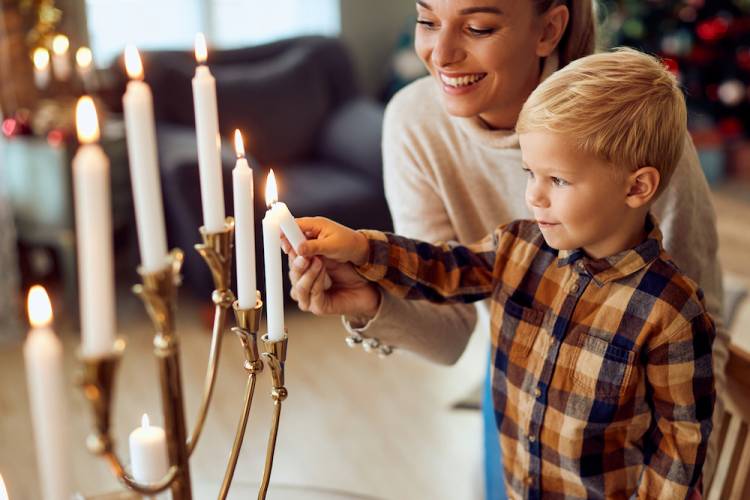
[[144, 489], [238, 438]]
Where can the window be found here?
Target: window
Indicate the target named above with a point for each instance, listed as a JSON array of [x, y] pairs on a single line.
[[172, 24]]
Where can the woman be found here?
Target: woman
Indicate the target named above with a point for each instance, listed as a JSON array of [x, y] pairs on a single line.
[[452, 165]]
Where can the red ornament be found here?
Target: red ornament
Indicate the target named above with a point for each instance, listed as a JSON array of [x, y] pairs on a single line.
[[55, 138], [672, 65], [743, 58], [10, 127], [712, 30], [730, 127]]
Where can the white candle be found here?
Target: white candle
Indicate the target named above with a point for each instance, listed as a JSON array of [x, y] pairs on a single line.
[[138, 106], [43, 354], [3, 491], [41, 68], [272, 259], [148, 453], [209, 142], [93, 235], [242, 186], [84, 67], [291, 230], [60, 57]]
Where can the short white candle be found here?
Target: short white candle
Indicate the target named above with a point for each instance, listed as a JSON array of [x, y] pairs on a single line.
[[272, 259], [138, 106], [148, 453], [61, 57], [242, 187], [93, 235], [43, 355], [209, 141], [41, 68]]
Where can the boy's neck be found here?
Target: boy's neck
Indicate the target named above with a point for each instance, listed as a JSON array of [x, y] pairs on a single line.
[[631, 232]]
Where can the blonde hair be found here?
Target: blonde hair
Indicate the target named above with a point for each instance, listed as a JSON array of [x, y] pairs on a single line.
[[579, 39], [623, 106]]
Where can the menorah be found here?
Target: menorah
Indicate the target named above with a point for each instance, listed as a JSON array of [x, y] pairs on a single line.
[[158, 291]]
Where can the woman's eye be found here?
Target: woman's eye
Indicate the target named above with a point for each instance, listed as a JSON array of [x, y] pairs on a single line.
[[559, 182], [481, 31], [425, 23]]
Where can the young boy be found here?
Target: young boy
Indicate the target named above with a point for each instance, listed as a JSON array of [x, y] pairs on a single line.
[[603, 381]]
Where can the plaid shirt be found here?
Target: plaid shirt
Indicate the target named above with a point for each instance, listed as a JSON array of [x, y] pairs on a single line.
[[602, 379]]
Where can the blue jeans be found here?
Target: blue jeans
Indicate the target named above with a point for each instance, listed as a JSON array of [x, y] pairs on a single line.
[[494, 485]]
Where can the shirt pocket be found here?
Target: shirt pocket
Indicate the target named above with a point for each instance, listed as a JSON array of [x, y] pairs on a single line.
[[517, 329], [601, 369]]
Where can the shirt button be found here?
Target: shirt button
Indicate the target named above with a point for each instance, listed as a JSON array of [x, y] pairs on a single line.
[[574, 288], [528, 480], [532, 438], [537, 392]]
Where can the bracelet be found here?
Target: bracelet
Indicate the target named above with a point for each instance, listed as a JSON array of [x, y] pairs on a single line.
[[369, 344]]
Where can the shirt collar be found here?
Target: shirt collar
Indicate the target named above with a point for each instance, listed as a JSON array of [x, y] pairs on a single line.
[[620, 265]]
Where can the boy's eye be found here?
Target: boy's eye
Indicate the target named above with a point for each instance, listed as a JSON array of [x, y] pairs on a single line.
[[528, 172], [559, 182], [480, 31]]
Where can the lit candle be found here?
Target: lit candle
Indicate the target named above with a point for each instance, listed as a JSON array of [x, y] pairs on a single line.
[[84, 67], [272, 260], [3, 491], [41, 67], [148, 453], [43, 354], [242, 186], [94, 235], [209, 142], [138, 106], [60, 60]]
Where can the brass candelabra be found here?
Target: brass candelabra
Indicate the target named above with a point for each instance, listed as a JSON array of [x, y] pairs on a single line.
[[158, 291]]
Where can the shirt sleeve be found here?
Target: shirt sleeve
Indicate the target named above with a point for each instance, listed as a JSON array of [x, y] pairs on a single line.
[[440, 273], [680, 386]]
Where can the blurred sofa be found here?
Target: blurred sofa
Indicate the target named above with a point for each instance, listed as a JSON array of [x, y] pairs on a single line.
[[301, 112]]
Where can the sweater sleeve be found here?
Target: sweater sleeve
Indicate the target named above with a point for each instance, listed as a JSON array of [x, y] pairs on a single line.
[[688, 222], [437, 332]]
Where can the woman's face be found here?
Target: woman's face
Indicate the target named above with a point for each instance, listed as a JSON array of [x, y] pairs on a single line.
[[484, 55]]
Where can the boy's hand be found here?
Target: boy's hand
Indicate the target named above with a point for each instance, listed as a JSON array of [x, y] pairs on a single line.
[[332, 240]]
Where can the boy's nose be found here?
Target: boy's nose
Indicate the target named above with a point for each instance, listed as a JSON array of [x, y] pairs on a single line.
[[535, 197]]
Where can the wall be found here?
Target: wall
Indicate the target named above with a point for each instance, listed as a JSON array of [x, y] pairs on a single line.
[[370, 28]]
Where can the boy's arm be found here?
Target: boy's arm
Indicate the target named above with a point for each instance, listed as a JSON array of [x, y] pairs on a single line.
[[680, 386], [417, 270]]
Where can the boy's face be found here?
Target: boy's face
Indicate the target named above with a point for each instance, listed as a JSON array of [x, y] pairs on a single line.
[[577, 199]]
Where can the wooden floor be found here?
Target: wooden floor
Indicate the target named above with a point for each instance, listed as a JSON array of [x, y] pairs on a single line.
[[352, 422]]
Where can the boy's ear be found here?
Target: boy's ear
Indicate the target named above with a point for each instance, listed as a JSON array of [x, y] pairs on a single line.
[[554, 22], [643, 184]]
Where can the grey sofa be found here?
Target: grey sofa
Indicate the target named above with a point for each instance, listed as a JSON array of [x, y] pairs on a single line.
[[302, 114]]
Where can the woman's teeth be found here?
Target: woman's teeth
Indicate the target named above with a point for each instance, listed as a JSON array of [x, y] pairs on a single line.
[[462, 81]]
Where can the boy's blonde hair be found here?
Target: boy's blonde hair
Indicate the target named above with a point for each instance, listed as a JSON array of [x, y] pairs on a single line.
[[623, 106]]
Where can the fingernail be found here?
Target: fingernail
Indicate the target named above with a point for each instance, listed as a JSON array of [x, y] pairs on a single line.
[[300, 262]]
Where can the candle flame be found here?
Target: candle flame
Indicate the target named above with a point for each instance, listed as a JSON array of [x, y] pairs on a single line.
[[84, 57], [87, 124], [41, 58], [201, 52], [3, 491], [133, 64], [39, 307], [60, 44], [145, 422], [272, 195], [239, 145]]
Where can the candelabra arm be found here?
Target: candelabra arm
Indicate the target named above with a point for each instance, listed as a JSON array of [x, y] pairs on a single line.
[[248, 321], [216, 250], [275, 356], [143, 489]]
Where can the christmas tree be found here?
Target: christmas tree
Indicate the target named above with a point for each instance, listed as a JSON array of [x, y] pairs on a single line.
[[706, 44]]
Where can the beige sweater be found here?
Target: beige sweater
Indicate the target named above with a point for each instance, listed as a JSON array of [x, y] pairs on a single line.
[[449, 178]]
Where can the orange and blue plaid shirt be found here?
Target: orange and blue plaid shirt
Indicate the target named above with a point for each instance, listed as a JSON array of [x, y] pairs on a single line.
[[602, 379]]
